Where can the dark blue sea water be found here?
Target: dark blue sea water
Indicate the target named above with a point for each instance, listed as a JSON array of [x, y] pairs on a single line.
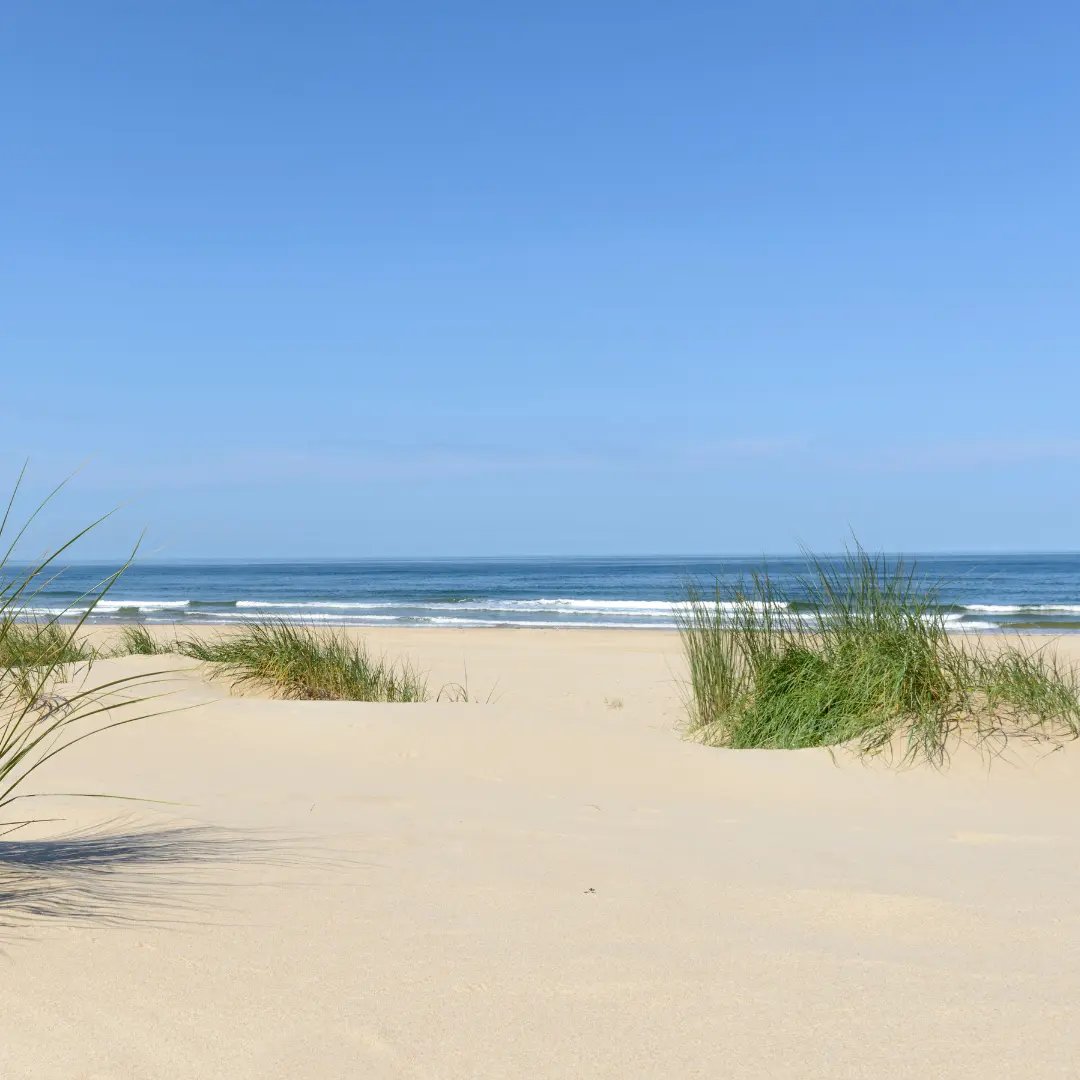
[[978, 592]]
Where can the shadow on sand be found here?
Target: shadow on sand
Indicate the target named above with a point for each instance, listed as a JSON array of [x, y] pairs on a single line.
[[112, 876]]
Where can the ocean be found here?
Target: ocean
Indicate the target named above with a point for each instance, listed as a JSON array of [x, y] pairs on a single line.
[[1025, 592]]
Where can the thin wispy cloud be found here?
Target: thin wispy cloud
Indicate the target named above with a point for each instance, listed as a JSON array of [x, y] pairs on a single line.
[[387, 462], [375, 463], [965, 454]]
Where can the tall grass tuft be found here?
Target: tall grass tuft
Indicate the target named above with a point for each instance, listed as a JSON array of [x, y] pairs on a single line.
[[865, 659], [41, 712], [29, 647], [138, 641], [208, 650], [300, 662], [32, 644]]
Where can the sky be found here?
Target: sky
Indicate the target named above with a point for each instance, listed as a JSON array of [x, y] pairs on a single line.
[[352, 279]]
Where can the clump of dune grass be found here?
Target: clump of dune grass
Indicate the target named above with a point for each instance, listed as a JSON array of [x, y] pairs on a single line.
[[43, 709], [301, 662], [866, 659], [31, 643], [138, 641], [208, 650], [28, 647]]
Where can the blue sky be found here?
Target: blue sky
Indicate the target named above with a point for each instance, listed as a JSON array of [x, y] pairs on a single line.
[[481, 278]]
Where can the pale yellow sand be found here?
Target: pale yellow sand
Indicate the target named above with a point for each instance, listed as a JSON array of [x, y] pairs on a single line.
[[548, 886]]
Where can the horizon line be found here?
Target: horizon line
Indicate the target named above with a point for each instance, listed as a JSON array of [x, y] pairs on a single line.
[[287, 559]]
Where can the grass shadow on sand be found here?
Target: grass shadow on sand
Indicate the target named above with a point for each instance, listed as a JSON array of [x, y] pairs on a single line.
[[105, 876]]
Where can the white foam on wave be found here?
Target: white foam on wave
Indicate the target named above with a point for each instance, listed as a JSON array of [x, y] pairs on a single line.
[[567, 605], [305, 604], [449, 620], [417, 620], [659, 608], [313, 616], [953, 621], [1024, 609], [571, 606], [649, 609], [106, 607], [141, 605], [537, 612], [642, 607]]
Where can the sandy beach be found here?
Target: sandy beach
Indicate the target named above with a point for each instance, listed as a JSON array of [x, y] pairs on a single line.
[[552, 884], [514, 521]]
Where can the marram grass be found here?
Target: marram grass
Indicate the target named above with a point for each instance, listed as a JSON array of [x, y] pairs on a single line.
[[41, 712], [26, 644], [29, 647], [867, 662], [138, 641], [304, 663]]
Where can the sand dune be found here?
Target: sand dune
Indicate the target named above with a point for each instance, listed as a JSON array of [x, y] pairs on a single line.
[[551, 885]]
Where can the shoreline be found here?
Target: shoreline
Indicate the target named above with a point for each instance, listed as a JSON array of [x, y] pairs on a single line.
[[1042, 634]]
